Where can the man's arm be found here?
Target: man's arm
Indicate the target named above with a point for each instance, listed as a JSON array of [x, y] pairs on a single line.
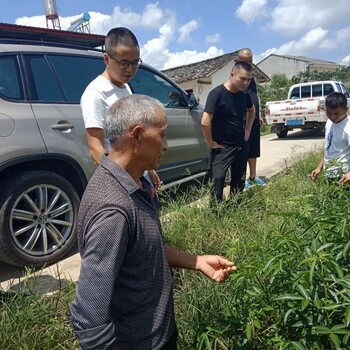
[[94, 108], [319, 168], [214, 267], [103, 255], [206, 129], [95, 138], [249, 121]]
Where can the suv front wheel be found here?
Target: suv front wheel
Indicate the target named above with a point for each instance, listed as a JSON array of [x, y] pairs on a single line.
[[37, 218]]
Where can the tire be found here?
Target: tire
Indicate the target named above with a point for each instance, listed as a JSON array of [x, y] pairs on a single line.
[[38, 218], [321, 128], [281, 134]]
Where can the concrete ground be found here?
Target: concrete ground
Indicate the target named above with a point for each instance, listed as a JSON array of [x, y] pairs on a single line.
[[276, 155]]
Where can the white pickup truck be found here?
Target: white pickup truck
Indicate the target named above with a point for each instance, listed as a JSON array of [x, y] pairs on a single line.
[[305, 107]]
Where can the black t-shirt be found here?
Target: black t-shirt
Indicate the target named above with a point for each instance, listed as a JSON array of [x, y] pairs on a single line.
[[253, 93], [228, 110]]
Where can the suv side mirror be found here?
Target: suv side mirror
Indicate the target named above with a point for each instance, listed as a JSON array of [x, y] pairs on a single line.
[[192, 99]]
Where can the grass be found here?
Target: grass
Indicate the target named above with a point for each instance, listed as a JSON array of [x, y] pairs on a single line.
[[33, 322], [276, 237], [265, 130]]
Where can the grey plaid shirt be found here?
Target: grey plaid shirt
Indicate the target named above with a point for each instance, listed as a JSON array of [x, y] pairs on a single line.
[[124, 296]]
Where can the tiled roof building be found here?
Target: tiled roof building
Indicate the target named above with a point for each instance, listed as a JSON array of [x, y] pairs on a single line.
[[201, 77]]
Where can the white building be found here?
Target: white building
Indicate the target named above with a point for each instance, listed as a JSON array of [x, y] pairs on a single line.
[[293, 65], [201, 77]]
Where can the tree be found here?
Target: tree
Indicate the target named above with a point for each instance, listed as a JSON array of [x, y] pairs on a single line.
[[342, 74], [276, 90]]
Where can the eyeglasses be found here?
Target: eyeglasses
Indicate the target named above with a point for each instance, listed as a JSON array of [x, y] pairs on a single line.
[[127, 64]]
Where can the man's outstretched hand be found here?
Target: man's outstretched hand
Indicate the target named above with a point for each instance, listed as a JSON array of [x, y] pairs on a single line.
[[215, 267]]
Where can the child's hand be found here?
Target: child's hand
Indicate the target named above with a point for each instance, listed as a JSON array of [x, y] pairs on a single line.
[[345, 179], [315, 173]]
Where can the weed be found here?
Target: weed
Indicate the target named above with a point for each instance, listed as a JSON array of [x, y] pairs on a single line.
[[291, 243]]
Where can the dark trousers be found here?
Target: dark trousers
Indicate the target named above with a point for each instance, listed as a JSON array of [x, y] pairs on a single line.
[[171, 344], [234, 157]]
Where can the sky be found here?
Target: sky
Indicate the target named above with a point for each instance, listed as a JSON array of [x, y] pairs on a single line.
[[174, 33]]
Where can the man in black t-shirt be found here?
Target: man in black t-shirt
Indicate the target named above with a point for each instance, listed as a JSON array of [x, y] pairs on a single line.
[[225, 130], [246, 55]]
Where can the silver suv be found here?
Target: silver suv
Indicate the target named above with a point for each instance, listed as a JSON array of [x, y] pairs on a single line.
[[44, 158]]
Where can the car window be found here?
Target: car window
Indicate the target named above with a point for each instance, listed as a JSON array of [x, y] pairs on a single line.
[[295, 93], [327, 89], [339, 87], [149, 83], [43, 83], [316, 90], [343, 89], [75, 73], [10, 80], [306, 91]]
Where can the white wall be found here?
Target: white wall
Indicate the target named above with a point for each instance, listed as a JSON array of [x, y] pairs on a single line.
[[202, 90], [282, 65]]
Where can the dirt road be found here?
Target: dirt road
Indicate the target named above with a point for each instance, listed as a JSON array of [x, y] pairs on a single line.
[[277, 153]]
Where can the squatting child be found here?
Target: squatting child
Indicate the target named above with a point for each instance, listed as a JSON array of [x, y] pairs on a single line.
[[336, 156]]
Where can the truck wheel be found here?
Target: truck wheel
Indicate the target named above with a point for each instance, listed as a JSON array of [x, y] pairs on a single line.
[[281, 134], [38, 218], [321, 128]]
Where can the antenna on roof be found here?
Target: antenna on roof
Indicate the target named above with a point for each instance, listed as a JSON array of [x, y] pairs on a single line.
[[81, 24], [51, 14]]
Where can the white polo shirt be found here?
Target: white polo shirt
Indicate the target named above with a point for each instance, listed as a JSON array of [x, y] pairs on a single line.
[[98, 96], [337, 148]]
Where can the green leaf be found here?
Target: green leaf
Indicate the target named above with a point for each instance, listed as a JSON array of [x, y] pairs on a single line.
[[347, 315], [268, 308], [289, 297], [252, 293], [303, 291], [307, 260], [269, 263], [304, 304], [320, 330], [257, 323], [297, 345], [343, 227], [248, 331], [339, 256], [285, 319], [339, 271], [332, 306], [312, 269], [346, 248], [317, 303], [335, 340], [344, 283], [324, 246], [257, 290], [340, 329], [346, 339]]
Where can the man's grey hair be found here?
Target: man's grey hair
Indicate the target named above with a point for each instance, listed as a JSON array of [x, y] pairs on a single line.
[[130, 111]]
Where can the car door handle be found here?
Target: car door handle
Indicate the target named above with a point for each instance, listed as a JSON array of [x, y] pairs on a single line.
[[62, 127]]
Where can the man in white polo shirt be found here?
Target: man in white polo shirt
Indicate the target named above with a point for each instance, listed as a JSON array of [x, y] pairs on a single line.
[[122, 59]]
